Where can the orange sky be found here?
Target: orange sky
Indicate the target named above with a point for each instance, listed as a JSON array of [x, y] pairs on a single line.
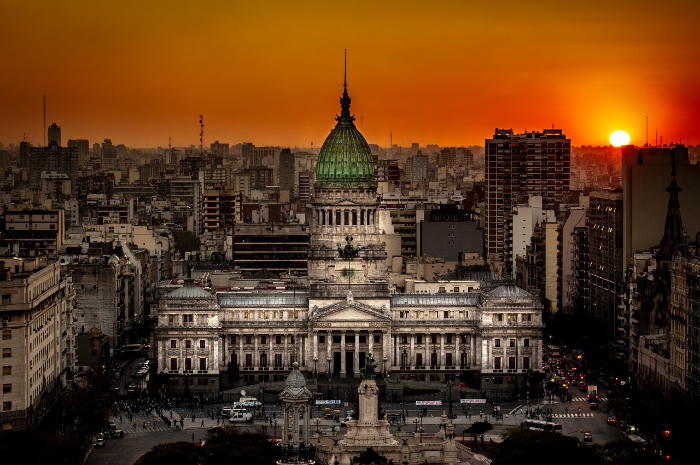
[[271, 72]]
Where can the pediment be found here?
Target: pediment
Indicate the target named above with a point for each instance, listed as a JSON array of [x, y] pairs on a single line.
[[349, 311]]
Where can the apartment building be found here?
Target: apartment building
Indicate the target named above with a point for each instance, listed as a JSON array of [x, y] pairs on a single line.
[[38, 340]]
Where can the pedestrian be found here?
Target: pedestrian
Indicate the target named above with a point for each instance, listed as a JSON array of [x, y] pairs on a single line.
[[202, 421], [120, 418], [270, 421], [134, 425], [144, 426], [567, 410]]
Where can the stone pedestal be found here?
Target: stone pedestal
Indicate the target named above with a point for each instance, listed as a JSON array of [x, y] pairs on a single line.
[[368, 430]]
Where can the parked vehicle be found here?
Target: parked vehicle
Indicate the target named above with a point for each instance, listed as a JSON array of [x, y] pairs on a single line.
[[117, 434], [241, 416]]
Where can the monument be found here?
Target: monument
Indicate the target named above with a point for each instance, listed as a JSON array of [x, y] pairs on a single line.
[[368, 437]]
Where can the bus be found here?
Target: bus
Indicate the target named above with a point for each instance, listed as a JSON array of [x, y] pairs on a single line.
[[538, 425]]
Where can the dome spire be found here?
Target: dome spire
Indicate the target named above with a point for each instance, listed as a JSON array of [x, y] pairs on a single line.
[[345, 117]]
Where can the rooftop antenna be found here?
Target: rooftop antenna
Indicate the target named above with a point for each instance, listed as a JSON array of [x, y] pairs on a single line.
[[44, 119], [647, 144], [662, 141], [201, 136], [391, 141], [656, 137], [360, 123], [170, 143], [345, 73]]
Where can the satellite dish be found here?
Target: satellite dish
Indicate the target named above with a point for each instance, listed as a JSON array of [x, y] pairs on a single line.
[[242, 392]]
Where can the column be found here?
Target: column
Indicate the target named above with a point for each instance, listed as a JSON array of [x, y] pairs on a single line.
[[385, 346], [412, 352], [271, 355], [285, 427], [329, 340], [457, 357], [307, 443], [370, 342], [241, 358], [474, 350], [285, 356], [295, 422], [356, 363], [304, 348], [342, 352], [441, 360], [256, 363], [316, 343]]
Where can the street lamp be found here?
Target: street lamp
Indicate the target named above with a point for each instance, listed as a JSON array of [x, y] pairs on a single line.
[[315, 360], [449, 386], [329, 367], [263, 398], [384, 365]]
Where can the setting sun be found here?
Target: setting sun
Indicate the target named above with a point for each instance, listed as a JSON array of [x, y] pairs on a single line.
[[619, 138]]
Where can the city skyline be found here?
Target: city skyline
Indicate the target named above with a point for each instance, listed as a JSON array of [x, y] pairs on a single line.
[[272, 74]]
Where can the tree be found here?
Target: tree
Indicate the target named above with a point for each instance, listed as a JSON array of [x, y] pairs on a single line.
[[184, 453], [228, 445], [525, 447], [479, 429]]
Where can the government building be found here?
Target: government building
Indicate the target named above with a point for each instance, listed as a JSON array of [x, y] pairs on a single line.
[[486, 335]]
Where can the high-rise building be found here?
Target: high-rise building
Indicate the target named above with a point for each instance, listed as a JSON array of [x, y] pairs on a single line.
[[38, 342], [109, 154], [24, 154], [54, 134], [53, 159], [219, 149], [186, 203], [605, 253], [82, 146], [517, 166], [286, 170], [304, 188], [419, 167]]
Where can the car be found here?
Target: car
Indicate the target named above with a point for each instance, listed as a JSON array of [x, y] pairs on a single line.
[[112, 425], [117, 434], [583, 386], [611, 420], [594, 405], [100, 443], [588, 437]]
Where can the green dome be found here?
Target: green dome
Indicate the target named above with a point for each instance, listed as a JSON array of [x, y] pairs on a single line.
[[345, 157]]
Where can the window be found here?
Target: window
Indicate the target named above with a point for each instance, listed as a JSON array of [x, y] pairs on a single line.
[[6, 299], [349, 338], [278, 339], [202, 343], [511, 380], [433, 339], [248, 340], [202, 364], [419, 339], [404, 339], [6, 406], [363, 339], [322, 339], [376, 339], [291, 339], [511, 363], [500, 317], [278, 360], [188, 364], [336, 339], [449, 339], [512, 343], [263, 339], [6, 388], [497, 363], [263, 360], [7, 334], [173, 344], [526, 363], [526, 342], [441, 289], [233, 339], [497, 343], [171, 319], [188, 318], [7, 370], [173, 364], [6, 353]]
